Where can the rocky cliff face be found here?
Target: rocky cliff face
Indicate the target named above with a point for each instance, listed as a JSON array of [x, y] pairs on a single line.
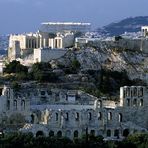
[[132, 62]]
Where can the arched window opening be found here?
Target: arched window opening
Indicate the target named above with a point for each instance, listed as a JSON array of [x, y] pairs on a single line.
[[76, 134], [109, 116], [67, 117], [59, 134], [116, 133], [126, 132], [120, 117], [92, 132], [32, 118], [108, 133], [68, 133], [99, 103], [141, 102], [23, 104], [51, 133], [8, 104], [140, 94], [99, 116], [15, 104], [128, 102], [135, 102], [128, 92], [56, 116], [124, 93], [39, 134], [131, 93], [77, 116], [135, 91], [89, 116]]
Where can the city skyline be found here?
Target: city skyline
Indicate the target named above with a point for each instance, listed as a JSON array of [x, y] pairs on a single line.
[[18, 16]]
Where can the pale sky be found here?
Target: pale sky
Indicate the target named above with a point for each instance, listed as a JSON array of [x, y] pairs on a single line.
[[18, 16]]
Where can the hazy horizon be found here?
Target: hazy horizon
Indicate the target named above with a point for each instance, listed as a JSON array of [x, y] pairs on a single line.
[[18, 16]]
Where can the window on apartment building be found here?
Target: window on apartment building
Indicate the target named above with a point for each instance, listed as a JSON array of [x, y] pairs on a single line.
[[109, 116], [77, 116]]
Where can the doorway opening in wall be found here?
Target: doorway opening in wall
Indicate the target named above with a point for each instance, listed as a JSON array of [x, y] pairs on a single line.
[[51, 133], [39, 134], [125, 132]]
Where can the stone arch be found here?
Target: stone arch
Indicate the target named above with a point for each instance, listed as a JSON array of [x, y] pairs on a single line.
[[76, 134], [108, 133], [92, 132], [59, 134], [125, 132], [68, 133], [51, 133], [39, 134], [116, 133], [101, 131]]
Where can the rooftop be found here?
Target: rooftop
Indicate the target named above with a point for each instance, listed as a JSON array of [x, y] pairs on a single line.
[[64, 23]]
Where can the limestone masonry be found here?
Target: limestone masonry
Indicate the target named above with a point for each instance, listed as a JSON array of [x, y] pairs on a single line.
[[70, 113]]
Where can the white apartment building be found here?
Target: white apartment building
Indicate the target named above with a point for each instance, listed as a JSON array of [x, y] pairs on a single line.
[[144, 30]]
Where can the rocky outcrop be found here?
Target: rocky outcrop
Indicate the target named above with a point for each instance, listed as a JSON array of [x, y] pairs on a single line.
[[116, 60]]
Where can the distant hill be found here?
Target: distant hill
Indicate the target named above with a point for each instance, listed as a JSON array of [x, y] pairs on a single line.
[[131, 24]]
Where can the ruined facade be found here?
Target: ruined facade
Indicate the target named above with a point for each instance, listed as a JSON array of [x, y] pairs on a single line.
[[22, 45], [71, 113]]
